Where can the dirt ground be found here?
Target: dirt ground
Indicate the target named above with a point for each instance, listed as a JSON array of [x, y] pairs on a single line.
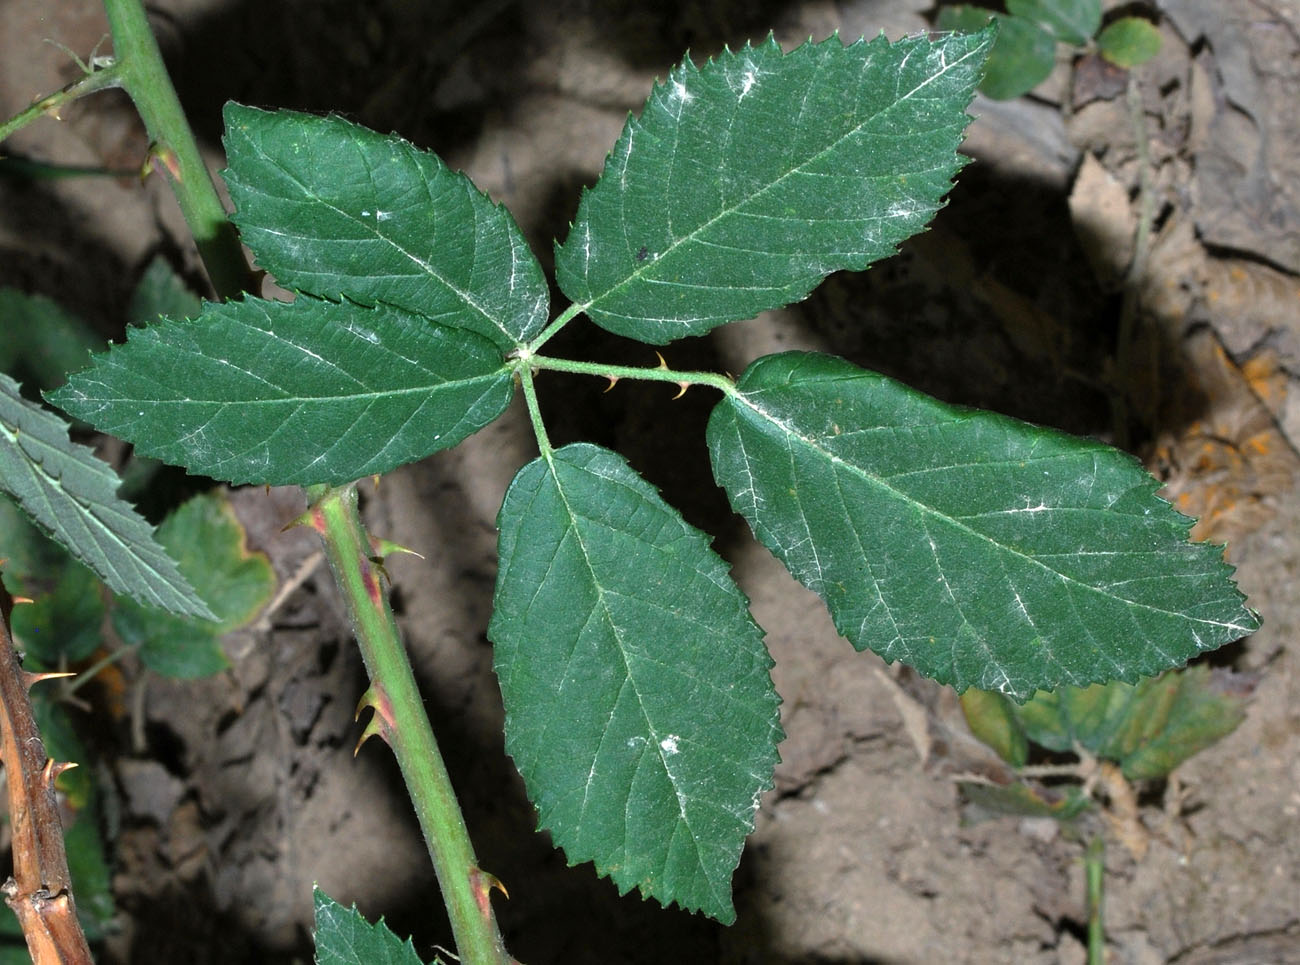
[[234, 794]]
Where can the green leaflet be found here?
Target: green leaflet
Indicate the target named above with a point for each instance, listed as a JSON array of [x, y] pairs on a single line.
[[1148, 728], [208, 542], [1129, 41], [639, 706], [308, 392], [72, 496], [336, 210], [40, 337], [1021, 58], [343, 937], [160, 292], [746, 181], [982, 551], [1069, 21]]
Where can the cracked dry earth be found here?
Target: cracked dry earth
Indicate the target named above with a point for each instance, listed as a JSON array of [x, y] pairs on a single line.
[[233, 794]]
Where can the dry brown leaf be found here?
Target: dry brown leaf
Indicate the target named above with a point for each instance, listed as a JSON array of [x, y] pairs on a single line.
[[1224, 458], [1104, 222]]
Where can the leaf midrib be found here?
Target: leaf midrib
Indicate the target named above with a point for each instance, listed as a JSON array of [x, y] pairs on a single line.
[[630, 677], [929, 511], [224, 403]]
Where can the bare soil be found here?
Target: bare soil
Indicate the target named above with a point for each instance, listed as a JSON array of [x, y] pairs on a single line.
[[234, 794]]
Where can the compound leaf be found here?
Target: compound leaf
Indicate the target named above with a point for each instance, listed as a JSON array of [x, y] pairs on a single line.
[[72, 496], [983, 551], [336, 210], [308, 392], [746, 181], [1069, 21], [344, 937], [639, 705]]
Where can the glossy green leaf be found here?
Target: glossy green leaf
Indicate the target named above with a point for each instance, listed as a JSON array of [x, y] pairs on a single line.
[[41, 338], [639, 705], [746, 181], [1020, 60], [1129, 41], [1148, 729], [983, 551], [71, 496], [309, 392], [344, 937], [333, 209], [1069, 21], [207, 541]]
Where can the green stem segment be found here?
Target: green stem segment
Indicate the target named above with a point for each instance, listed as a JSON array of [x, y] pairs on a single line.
[[94, 79], [615, 372], [1094, 863], [143, 75], [400, 719]]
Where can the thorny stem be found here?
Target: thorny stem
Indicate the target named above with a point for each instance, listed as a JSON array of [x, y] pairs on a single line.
[[40, 890], [399, 718], [143, 75], [663, 374]]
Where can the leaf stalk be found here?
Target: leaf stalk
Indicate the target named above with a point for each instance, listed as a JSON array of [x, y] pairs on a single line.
[[652, 374], [96, 78]]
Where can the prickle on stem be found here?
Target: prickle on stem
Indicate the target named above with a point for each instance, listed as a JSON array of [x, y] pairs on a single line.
[[683, 386], [482, 883]]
